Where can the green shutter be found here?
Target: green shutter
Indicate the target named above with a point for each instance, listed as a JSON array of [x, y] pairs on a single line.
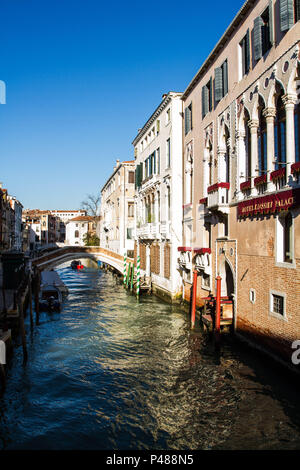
[[286, 14], [271, 22], [204, 111], [297, 10], [218, 84], [257, 37], [225, 77], [247, 52], [210, 94], [185, 121]]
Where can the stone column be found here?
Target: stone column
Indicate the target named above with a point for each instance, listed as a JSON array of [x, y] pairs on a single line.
[[241, 170], [269, 114], [221, 164], [253, 125], [289, 101]]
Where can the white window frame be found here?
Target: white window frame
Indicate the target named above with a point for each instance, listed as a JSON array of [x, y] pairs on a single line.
[[279, 232], [275, 314]]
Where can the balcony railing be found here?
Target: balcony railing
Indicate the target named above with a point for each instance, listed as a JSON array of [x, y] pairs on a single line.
[[218, 196], [278, 177], [149, 231]]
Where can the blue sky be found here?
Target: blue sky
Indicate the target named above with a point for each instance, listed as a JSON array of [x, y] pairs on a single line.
[[82, 76]]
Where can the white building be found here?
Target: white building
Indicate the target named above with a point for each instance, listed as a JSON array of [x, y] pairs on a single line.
[[158, 197], [117, 210], [62, 217], [77, 228]]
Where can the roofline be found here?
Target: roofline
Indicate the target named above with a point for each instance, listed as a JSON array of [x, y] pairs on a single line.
[[131, 162], [155, 114], [219, 46]]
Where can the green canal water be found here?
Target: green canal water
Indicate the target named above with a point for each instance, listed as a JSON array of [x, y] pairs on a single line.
[[111, 373]]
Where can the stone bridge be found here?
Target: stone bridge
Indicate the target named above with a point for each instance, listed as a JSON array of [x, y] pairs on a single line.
[[68, 253]]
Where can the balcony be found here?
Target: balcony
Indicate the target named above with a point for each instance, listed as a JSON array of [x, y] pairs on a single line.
[[218, 197], [278, 178], [203, 260], [148, 231], [260, 182], [185, 258]]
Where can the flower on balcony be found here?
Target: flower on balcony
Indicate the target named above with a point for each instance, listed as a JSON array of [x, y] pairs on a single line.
[[203, 201], [295, 168], [245, 185], [216, 186], [260, 180], [277, 174]]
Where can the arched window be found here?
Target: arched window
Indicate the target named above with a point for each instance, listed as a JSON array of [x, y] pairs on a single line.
[[279, 133], [262, 141], [76, 234]]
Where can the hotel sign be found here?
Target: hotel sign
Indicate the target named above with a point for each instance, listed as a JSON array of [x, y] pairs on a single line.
[[269, 204]]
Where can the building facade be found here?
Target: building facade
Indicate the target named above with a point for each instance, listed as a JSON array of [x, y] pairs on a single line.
[[78, 228], [62, 217], [117, 210], [158, 196], [241, 168]]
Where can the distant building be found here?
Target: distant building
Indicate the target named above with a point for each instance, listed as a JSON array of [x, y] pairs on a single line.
[[16, 225], [117, 210], [62, 217], [78, 227], [42, 227]]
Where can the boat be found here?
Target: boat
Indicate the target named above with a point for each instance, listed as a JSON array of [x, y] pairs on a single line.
[[50, 298], [52, 291], [76, 265]]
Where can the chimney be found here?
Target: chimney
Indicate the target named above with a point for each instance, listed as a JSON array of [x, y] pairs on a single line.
[[164, 95]]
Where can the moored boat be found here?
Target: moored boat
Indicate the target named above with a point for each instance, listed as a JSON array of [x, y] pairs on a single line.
[[52, 291]]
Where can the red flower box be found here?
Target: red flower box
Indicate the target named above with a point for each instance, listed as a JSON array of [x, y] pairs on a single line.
[[277, 174], [216, 186], [201, 251], [245, 185], [184, 248], [260, 180], [295, 168], [203, 200]]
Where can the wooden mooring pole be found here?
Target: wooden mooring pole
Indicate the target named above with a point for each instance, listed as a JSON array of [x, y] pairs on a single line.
[[30, 300], [194, 297], [36, 297], [218, 310]]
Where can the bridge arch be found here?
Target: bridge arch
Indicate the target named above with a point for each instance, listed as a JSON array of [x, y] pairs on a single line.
[[69, 253]]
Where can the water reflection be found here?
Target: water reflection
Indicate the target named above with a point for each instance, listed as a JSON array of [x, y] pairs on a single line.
[[111, 373]]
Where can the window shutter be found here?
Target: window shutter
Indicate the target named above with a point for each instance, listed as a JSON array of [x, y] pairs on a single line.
[[257, 38], [286, 14], [297, 10], [225, 77], [191, 116], [210, 94], [218, 84], [204, 101], [247, 52], [185, 121], [271, 23]]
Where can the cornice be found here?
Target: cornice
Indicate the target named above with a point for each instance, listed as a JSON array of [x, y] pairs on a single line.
[[155, 115]]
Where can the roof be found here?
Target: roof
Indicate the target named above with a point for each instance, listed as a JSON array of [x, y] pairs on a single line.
[[84, 218]]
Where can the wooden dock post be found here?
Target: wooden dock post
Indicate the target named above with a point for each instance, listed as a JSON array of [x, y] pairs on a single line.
[[218, 310], [138, 277], [30, 300], [194, 296], [36, 297], [132, 275], [128, 275]]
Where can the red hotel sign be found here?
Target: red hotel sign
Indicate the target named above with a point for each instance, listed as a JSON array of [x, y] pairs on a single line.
[[270, 203]]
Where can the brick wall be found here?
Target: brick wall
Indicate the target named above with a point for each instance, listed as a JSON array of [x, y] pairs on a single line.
[[143, 257]]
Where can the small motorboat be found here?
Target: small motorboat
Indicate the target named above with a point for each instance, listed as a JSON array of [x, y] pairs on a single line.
[[50, 298], [76, 265]]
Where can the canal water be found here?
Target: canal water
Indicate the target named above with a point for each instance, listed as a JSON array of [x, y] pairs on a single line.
[[110, 373]]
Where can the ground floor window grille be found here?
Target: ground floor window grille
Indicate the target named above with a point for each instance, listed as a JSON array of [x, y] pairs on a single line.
[[277, 302]]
